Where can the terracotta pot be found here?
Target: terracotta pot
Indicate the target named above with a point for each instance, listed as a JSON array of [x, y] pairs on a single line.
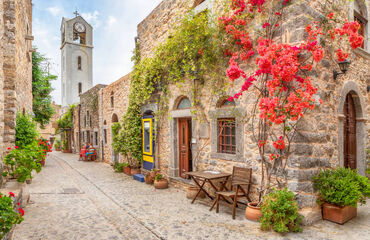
[[161, 184], [338, 214], [127, 170], [135, 171], [192, 191], [153, 174], [252, 212], [29, 181], [148, 179]]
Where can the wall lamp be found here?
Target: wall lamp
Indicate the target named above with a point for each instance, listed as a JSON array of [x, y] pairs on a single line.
[[343, 65]]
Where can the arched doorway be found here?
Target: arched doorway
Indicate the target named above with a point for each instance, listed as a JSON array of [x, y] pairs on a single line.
[[115, 156], [349, 134]]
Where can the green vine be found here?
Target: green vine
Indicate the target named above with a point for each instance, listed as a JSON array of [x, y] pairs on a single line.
[[191, 53]]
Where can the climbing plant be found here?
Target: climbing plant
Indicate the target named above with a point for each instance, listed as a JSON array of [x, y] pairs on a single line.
[[191, 52], [66, 122], [41, 89]]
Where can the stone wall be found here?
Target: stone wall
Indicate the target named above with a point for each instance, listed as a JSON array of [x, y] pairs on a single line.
[[49, 130], [89, 118], [114, 105], [319, 143]]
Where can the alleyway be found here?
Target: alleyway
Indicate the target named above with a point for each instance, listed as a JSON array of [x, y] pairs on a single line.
[[71, 199]]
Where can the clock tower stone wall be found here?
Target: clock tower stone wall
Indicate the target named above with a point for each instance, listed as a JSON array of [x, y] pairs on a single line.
[[76, 59]]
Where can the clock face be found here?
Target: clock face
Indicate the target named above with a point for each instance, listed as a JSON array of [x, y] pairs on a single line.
[[79, 27]]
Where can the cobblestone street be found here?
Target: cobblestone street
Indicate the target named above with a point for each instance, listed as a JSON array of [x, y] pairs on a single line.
[[71, 199]]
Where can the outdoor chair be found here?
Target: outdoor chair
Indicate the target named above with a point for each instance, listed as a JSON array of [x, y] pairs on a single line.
[[240, 185]]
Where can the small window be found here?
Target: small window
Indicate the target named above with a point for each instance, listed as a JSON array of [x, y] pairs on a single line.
[[105, 136], [112, 100], [79, 88], [360, 17], [96, 139], [79, 60], [226, 135], [90, 121], [85, 121], [184, 103], [87, 118]]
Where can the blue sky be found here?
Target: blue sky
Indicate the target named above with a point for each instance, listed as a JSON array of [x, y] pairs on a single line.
[[114, 23]]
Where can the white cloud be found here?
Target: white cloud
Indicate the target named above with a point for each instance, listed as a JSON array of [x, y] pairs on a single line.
[[55, 11], [92, 18], [111, 20]]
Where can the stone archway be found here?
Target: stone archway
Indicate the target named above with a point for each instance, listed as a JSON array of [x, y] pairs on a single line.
[[351, 90]]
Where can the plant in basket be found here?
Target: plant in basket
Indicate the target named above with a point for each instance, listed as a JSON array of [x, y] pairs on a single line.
[[339, 192]]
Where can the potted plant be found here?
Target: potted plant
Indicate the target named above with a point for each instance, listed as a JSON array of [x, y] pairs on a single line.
[[135, 170], [9, 216], [339, 192], [57, 145], [160, 182], [118, 167], [153, 173], [126, 168], [148, 178], [280, 212]]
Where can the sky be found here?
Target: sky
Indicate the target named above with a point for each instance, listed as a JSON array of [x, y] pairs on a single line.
[[114, 23]]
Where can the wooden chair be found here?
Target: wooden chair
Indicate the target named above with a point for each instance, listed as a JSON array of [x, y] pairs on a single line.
[[240, 185]]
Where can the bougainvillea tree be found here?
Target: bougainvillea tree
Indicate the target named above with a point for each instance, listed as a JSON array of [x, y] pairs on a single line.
[[281, 75]]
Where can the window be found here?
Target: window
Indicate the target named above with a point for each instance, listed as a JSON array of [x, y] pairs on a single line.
[[79, 63], [105, 136], [90, 121], [184, 103], [359, 16], [226, 135], [112, 100], [87, 118], [79, 88], [225, 103], [96, 139]]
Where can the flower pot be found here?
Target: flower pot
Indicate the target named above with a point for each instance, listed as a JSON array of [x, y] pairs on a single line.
[[338, 214], [192, 191], [153, 174], [135, 171], [252, 212], [43, 162], [127, 170], [29, 181], [67, 151], [148, 179], [161, 184]]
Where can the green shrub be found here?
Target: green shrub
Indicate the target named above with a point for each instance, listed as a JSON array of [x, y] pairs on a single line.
[[118, 167], [342, 187], [57, 144], [280, 212], [25, 130], [158, 177], [8, 216], [65, 145]]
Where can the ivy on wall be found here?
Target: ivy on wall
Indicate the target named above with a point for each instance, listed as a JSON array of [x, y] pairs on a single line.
[[192, 52]]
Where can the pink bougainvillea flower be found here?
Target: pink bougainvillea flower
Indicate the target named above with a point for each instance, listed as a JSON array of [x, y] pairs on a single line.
[[342, 56], [279, 144], [318, 54]]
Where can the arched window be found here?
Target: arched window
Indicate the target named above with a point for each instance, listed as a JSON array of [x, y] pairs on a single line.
[[224, 102], [79, 63], [360, 16], [184, 103], [114, 118]]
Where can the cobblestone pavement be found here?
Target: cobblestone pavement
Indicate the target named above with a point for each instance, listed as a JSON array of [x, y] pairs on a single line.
[[71, 199]]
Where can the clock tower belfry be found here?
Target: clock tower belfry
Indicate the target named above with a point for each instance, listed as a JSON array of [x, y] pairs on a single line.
[[76, 62]]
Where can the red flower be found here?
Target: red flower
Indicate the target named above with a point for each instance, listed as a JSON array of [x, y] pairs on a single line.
[[21, 211], [279, 144], [9, 148], [318, 54], [200, 52], [261, 143], [11, 194], [234, 72], [16, 147], [330, 15], [277, 13], [341, 55]]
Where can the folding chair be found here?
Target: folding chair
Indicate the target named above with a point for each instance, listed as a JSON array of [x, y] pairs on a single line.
[[240, 185]]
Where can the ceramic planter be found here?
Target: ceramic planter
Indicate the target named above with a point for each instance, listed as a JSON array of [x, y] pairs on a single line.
[[338, 214], [135, 171], [127, 170], [252, 212], [192, 191], [161, 184], [148, 179]]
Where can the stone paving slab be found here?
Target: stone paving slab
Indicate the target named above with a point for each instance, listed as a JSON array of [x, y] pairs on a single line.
[[128, 209]]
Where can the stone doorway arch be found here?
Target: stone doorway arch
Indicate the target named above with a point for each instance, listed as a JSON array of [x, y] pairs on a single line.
[[351, 95]]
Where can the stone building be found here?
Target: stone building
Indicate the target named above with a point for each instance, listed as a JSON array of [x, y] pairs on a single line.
[[114, 104], [15, 66], [88, 114], [322, 139]]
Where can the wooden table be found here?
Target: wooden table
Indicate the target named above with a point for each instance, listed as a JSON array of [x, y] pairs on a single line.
[[202, 177]]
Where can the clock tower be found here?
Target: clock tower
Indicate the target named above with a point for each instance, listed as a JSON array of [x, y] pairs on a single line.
[[76, 62]]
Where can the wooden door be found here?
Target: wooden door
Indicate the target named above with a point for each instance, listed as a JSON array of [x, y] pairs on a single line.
[[349, 133], [184, 146]]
